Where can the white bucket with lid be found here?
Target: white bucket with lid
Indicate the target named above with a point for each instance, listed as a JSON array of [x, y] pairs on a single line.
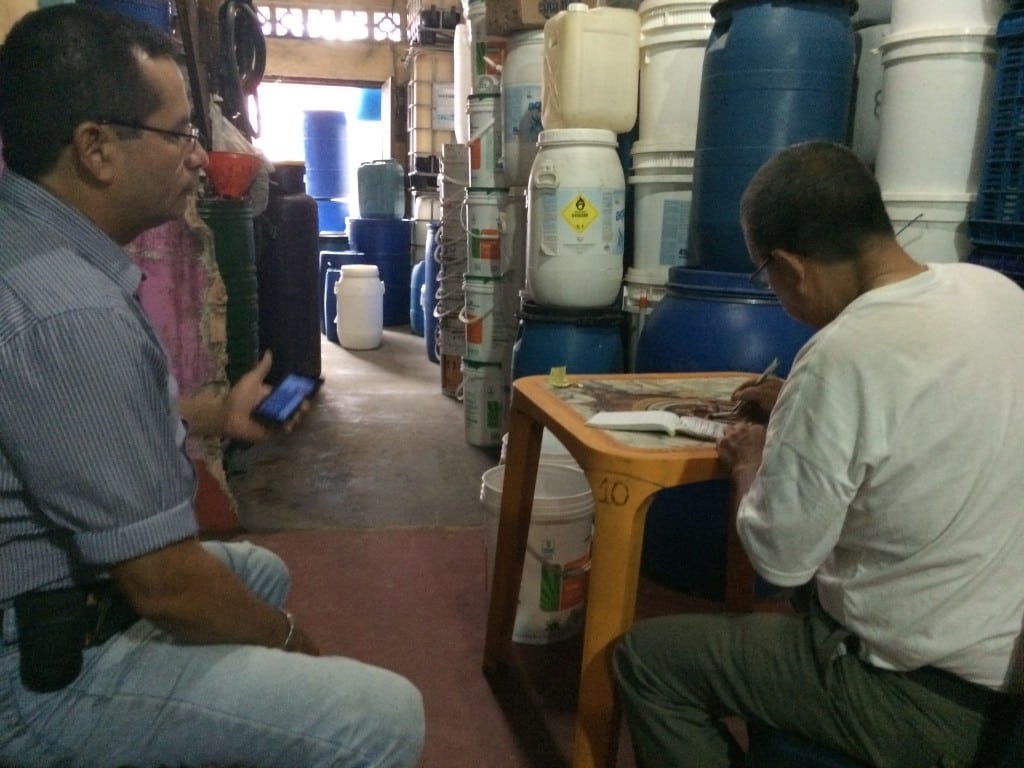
[[485, 141], [575, 214], [591, 68], [360, 296], [920, 72], [553, 589], [934, 228], [522, 79], [487, 328], [484, 214], [663, 194], [673, 38], [484, 395]]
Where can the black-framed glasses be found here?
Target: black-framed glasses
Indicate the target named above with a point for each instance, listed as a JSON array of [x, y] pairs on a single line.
[[191, 135], [758, 278]]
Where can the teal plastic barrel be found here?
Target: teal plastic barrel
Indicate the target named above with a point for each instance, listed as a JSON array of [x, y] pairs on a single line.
[[235, 252], [776, 72]]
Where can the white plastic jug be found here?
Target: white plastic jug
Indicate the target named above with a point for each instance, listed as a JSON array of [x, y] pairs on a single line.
[[360, 293], [591, 68]]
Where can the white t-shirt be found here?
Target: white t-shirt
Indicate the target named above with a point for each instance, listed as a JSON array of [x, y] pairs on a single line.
[[894, 473]]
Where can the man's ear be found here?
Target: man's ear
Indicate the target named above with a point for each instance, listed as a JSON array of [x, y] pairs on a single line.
[[791, 265], [96, 151]]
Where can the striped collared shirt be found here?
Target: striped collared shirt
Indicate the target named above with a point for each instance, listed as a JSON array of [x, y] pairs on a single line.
[[92, 463]]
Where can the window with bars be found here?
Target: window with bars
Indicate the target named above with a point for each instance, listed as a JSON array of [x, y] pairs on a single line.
[[293, 21]]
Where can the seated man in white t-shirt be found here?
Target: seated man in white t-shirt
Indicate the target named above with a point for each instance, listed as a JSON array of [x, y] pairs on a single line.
[[890, 474]]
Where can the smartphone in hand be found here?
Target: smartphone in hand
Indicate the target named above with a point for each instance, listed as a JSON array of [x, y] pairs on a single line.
[[284, 401]]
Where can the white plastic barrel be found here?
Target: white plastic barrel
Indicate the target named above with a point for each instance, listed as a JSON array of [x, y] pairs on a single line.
[[662, 196], [673, 37], [867, 105], [575, 215], [915, 16], [522, 79], [591, 68], [553, 589], [921, 72], [360, 294], [934, 226]]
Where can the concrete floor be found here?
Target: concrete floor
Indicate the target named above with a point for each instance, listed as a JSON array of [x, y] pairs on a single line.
[[382, 447]]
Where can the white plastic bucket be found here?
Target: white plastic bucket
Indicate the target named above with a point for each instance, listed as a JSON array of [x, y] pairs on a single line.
[[917, 15], [522, 79], [553, 590], [552, 451], [639, 297], [484, 213], [673, 38], [930, 142], [867, 105], [591, 68], [485, 140], [488, 52], [360, 296], [663, 194], [575, 215], [487, 328], [484, 401], [451, 344], [934, 228]]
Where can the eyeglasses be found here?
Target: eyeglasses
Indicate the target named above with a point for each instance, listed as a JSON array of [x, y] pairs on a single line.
[[191, 135], [758, 278]]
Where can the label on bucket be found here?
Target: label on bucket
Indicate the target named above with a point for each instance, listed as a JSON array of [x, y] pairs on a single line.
[[563, 586]]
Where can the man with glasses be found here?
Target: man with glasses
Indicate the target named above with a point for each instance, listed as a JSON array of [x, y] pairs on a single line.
[[124, 640], [889, 475]]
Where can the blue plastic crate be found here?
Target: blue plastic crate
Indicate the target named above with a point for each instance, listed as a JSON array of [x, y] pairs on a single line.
[[998, 215]]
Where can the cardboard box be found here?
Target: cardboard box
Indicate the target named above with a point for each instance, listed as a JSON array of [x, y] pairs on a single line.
[[508, 16]]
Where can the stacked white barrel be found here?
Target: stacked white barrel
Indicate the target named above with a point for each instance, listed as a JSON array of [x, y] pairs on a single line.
[[673, 39], [938, 72]]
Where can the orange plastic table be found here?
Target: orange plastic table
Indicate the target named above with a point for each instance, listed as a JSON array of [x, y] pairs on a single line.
[[624, 470]]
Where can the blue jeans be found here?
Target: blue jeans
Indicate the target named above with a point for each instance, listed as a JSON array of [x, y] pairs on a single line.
[[143, 700]]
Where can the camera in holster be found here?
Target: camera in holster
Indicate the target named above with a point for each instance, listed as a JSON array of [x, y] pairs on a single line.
[[52, 627]]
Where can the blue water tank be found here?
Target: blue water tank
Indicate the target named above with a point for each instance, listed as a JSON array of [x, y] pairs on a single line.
[[776, 72], [431, 271], [387, 243], [415, 298]]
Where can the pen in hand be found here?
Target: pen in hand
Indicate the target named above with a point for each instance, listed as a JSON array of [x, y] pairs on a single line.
[[761, 379]]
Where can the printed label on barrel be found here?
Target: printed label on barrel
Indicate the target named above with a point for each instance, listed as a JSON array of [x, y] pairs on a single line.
[[588, 219]]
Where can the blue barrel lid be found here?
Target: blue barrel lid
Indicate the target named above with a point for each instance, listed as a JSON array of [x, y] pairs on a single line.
[[706, 283]]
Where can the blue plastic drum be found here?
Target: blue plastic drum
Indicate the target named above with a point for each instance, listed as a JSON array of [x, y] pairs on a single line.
[[776, 72], [583, 340]]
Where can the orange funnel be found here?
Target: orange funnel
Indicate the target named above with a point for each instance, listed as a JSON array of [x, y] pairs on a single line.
[[231, 173]]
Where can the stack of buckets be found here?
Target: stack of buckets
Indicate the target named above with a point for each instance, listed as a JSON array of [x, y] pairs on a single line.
[[929, 178], [484, 315], [443, 296], [575, 211], [673, 39], [324, 137], [553, 589]]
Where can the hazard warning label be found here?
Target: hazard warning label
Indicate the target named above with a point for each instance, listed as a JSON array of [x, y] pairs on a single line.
[[579, 214]]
